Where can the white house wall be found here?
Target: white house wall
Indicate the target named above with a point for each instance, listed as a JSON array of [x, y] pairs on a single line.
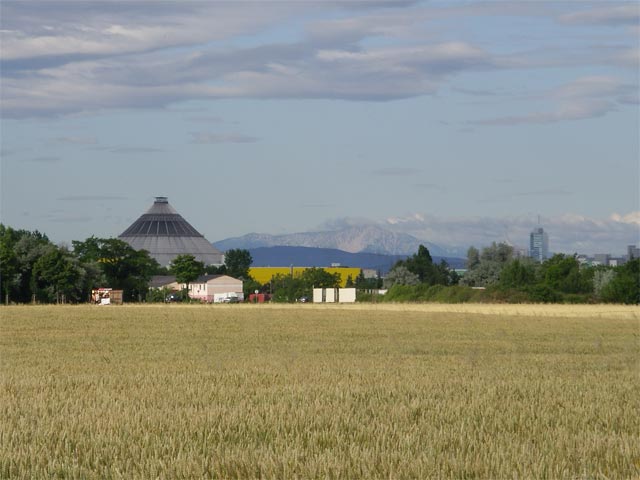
[[330, 295], [347, 295], [334, 295], [317, 295], [216, 289]]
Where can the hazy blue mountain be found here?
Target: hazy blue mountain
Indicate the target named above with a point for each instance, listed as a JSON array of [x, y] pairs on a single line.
[[283, 256], [320, 257], [360, 239]]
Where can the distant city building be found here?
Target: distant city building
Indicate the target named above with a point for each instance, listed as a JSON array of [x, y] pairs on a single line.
[[633, 252], [583, 259], [369, 273], [539, 244], [601, 259], [520, 252]]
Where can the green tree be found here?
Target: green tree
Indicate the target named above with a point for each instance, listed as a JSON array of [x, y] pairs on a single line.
[[602, 276], [518, 274], [186, 269], [58, 275], [429, 273], [319, 278], [454, 277], [562, 273], [473, 258], [215, 270], [158, 295], [9, 267], [484, 270], [289, 288], [497, 252], [123, 267], [483, 275], [286, 288], [441, 275], [28, 248], [30, 264], [363, 283], [238, 262], [625, 285], [249, 287], [89, 250], [400, 275], [421, 264]]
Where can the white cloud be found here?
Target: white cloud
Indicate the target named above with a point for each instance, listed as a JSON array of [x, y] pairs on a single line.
[[127, 57], [135, 150], [610, 15], [543, 192], [48, 159], [632, 218], [62, 58], [586, 97], [85, 198], [431, 59], [213, 138], [77, 140], [276, 71], [353, 29], [627, 57], [568, 233], [205, 119], [594, 86], [396, 172], [105, 28]]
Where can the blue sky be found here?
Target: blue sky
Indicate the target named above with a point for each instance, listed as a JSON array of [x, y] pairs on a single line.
[[457, 122]]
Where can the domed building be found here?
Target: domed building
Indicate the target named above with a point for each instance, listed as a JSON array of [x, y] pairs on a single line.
[[163, 232]]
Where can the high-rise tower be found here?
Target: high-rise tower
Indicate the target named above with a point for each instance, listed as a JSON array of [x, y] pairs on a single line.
[[539, 244]]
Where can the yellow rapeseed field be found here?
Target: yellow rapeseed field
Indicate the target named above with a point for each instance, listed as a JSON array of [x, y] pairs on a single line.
[[306, 391]]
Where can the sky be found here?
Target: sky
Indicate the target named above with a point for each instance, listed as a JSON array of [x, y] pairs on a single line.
[[461, 123]]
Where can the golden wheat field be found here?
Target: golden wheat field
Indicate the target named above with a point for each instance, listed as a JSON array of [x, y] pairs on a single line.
[[363, 391]]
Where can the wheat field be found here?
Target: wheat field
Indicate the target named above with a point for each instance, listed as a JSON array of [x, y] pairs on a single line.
[[362, 391]]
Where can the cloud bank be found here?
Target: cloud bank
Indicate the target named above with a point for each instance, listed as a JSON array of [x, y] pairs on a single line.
[[214, 138], [68, 57], [568, 233], [586, 97]]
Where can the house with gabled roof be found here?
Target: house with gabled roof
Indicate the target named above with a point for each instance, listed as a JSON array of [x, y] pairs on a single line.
[[207, 288]]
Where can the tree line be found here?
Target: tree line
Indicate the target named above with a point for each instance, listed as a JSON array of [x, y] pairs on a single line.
[[494, 274], [32, 268]]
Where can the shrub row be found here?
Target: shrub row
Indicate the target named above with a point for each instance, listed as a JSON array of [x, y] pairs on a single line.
[[463, 294]]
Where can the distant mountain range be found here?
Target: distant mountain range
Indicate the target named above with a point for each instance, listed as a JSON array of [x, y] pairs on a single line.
[[360, 239], [283, 256], [362, 246]]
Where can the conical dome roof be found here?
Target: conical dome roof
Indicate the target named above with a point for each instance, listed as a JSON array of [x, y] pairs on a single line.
[[163, 232]]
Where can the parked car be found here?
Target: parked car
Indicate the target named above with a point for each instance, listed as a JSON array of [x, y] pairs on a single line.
[[173, 297]]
